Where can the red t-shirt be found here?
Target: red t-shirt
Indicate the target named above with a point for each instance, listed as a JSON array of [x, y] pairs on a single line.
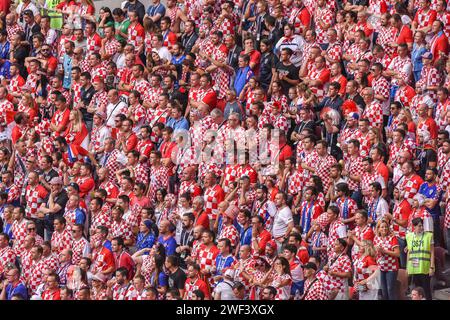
[[264, 237], [132, 142], [202, 219], [405, 36], [125, 260]]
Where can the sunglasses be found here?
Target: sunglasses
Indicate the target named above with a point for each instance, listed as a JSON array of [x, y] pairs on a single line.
[[31, 229]]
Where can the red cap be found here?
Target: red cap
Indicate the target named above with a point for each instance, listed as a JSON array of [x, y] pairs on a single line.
[[272, 244]]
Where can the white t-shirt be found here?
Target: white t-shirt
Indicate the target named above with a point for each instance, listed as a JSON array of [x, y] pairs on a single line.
[[382, 208], [164, 54], [113, 109], [280, 223], [225, 288]]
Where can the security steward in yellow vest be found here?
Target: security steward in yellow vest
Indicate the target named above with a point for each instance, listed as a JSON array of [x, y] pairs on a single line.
[[420, 259]]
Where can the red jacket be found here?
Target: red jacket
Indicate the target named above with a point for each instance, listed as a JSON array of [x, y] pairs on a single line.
[[439, 44]]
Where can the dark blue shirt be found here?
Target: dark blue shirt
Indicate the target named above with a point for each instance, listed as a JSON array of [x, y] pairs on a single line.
[[431, 192], [4, 70], [4, 50], [246, 236], [20, 289], [145, 241], [169, 244]]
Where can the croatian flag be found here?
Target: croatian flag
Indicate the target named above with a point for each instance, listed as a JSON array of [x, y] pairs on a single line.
[[78, 148]]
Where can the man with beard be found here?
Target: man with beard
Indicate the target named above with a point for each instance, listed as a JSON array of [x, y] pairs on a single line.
[[187, 237], [431, 191]]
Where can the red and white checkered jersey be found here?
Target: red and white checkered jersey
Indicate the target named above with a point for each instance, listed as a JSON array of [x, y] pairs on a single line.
[[410, 186], [429, 77], [13, 30], [295, 182], [32, 81], [51, 262], [61, 240], [384, 261], [121, 229], [5, 106], [337, 263], [315, 290], [93, 44], [325, 16], [34, 197], [7, 256], [159, 178], [367, 179], [337, 230], [354, 167], [99, 100], [323, 169], [36, 275], [361, 267], [402, 66], [124, 292], [401, 211], [206, 257], [425, 18], [190, 286], [230, 232], [80, 248], [220, 76], [347, 207], [374, 112], [324, 76], [19, 232], [15, 84], [386, 36], [444, 168], [213, 196], [136, 34], [283, 293]]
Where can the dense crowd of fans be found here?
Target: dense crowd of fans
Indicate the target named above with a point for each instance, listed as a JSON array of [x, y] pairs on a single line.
[[200, 149]]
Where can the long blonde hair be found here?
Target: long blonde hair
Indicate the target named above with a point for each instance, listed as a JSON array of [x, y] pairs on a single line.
[[369, 249], [77, 123]]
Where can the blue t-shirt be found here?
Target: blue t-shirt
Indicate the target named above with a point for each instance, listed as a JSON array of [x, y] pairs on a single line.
[[4, 50], [154, 10], [431, 192], [80, 216], [20, 289], [243, 75], [179, 124], [246, 236], [4, 70], [169, 244], [145, 241], [162, 279], [108, 245], [223, 263]]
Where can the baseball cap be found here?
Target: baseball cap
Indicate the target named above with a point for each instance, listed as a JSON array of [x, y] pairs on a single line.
[[427, 55], [98, 277], [229, 273], [101, 114], [56, 180], [272, 244], [74, 185]]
